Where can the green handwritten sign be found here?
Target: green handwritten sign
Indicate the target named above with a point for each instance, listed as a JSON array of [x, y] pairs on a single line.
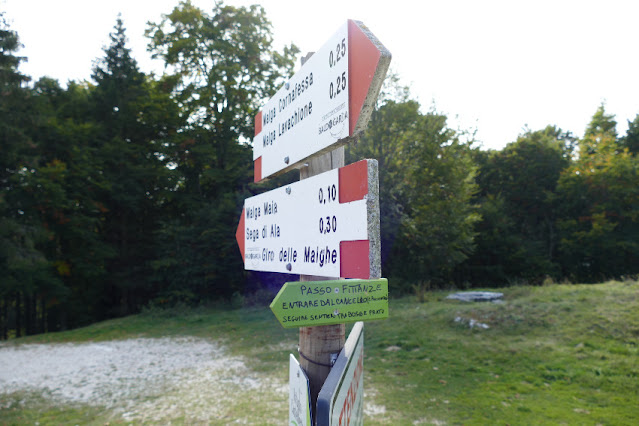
[[313, 303]]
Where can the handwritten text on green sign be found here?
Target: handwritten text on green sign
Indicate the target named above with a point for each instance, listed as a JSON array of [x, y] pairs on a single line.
[[313, 303]]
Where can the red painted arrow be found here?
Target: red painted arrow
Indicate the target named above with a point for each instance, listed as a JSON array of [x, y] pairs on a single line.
[[239, 234], [363, 63]]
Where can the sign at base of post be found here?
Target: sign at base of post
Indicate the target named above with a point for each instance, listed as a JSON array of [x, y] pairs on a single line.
[[299, 401], [341, 399], [313, 303]]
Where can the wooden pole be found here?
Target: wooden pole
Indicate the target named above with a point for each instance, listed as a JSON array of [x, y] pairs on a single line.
[[319, 346]]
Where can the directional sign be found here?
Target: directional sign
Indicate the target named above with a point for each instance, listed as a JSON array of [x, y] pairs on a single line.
[[299, 399], [313, 303], [326, 225], [328, 100], [341, 399]]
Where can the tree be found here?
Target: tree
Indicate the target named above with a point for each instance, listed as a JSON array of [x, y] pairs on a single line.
[[223, 67], [137, 120], [601, 124], [10, 77], [438, 184], [65, 191], [426, 182], [599, 222], [26, 272], [382, 140], [517, 237], [13, 101], [631, 140]]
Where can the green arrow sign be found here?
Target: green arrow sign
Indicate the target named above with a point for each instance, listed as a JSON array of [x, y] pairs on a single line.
[[313, 303]]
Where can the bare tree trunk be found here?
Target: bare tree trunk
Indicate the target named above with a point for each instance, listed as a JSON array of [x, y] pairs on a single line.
[[4, 317], [53, 318], [28, 315], [18, 316], [43, 315]]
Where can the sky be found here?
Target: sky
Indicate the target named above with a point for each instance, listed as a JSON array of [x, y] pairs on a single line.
[[494, 67]]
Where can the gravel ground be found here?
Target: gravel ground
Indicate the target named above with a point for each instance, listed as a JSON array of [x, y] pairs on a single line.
[[137, 379]]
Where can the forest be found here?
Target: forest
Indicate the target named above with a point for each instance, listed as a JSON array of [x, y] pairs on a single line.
[[124, 191]]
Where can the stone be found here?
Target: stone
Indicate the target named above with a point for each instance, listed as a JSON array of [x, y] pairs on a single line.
[[472, 323], [476, 296]]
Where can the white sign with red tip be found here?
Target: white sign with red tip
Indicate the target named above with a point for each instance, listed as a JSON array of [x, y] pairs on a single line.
[[326, 225], [327, 101], [341, 399]]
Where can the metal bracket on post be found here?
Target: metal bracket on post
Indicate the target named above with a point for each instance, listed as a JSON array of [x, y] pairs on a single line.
[[334, 358]]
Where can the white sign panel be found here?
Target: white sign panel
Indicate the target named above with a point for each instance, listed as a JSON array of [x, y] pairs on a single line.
[[328, 100], [326, 225], [341, 399], [299, 403], [348, 405], [308, 113]]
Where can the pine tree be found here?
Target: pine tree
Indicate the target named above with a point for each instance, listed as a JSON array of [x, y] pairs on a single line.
[[136, 118], [12, 101], [599, 224], [25, 269], [631, 139]]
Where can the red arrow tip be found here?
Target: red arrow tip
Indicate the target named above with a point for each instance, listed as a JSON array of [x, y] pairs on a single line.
[[239, 234], [257, 169], [355, 259], [258, 123], [363, 60]]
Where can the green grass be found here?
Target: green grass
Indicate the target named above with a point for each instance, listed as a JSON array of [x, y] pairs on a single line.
[[559, 354], [30, 409]]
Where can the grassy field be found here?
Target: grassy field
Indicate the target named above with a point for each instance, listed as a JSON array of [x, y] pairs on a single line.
[[558, 354]]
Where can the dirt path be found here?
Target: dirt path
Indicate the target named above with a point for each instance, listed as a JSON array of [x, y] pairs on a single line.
[[138, 379]]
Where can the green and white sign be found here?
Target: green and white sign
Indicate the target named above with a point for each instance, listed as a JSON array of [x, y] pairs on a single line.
[[341, 399], [313, 303]]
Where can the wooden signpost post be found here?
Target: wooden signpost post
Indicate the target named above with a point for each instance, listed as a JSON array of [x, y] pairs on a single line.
[[327, 224]]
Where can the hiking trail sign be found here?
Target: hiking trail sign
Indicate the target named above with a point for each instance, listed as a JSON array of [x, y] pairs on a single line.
[[341, 399], [329, 100], [299, 406], [313, 303], [326, 225]]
